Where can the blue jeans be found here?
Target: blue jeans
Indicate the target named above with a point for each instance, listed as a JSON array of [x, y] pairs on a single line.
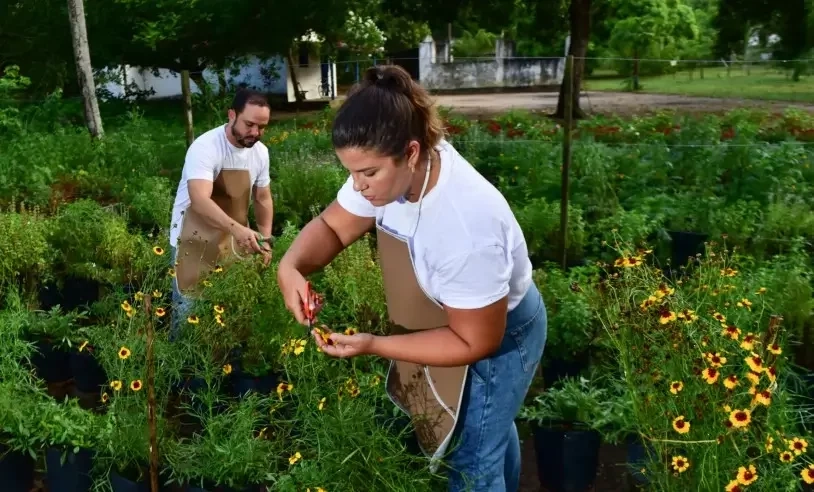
[[180, 303], [485, 454]]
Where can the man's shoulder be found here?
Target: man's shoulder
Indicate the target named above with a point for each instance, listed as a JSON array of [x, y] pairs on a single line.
[[207, 140]]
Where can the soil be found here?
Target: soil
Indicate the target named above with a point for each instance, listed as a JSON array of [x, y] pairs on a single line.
[[623, 103]]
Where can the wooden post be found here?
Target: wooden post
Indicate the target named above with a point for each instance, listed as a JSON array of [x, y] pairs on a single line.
[[84, 70], [187, 95], [566, 156], [151, 403]]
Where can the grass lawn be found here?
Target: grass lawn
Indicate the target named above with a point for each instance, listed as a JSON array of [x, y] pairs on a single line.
[[761, 83]]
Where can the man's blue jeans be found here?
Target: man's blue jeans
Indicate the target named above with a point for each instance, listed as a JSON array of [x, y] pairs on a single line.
[[181, 304], [485, 453]]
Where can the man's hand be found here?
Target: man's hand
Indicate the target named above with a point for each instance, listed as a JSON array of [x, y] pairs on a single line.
[[266, 247], [247, 239]]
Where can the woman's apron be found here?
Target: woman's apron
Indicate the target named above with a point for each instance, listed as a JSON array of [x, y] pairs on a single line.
[[430, 395], [201, 246]]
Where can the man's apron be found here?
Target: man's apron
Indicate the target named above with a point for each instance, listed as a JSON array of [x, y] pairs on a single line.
[[430, 395], [202, 247]]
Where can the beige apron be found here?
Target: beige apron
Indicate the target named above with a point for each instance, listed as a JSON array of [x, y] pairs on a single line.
[[430, 395], [202, 247]]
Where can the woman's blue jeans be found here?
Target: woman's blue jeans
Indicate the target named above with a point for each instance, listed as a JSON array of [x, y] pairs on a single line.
[[485, 454]]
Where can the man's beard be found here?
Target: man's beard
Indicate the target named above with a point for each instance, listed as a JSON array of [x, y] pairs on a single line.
[[246, 142]]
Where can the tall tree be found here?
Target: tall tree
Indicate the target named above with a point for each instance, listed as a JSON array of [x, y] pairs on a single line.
[[84, 71], [579, 20]]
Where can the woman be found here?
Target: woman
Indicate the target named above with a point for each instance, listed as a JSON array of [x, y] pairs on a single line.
[[469, 323]]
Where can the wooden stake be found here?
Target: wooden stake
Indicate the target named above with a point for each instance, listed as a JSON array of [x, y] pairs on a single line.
[[151, 403], [566, 156]]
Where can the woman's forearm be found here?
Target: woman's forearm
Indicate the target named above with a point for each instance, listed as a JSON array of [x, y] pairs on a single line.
[[440, 347], [315, 246]]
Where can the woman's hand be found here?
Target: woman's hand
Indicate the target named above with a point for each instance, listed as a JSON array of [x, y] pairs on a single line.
[[295, 292], [343, 346]]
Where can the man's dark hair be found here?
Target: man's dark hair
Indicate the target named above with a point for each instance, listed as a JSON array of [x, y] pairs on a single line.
[[246, 96]]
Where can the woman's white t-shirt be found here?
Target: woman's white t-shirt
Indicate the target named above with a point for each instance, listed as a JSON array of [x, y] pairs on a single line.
[[468, 249]]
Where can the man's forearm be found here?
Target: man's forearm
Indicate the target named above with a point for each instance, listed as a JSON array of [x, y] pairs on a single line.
[[213, 214], [264, 214], [440, 347]]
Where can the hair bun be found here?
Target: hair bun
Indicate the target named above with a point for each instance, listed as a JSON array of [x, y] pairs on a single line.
[[389, 77]]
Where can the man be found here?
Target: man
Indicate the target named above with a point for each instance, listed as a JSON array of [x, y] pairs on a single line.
[[225, 168]]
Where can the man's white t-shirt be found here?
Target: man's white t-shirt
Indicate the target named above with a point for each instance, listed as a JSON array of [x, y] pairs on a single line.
[[468, 248], [206, 157]]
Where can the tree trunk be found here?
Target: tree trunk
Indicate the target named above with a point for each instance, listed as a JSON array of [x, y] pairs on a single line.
[[579, 14], [293, 74], [84, 71], [187, 95]]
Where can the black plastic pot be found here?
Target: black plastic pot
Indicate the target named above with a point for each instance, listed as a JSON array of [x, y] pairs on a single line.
[[74, 475], [242, 384], [88, 374], [567, 460], [16, 471], [637, 458], [557, 368], [76, 293], [685, 245], [51, 363], [123, 484]]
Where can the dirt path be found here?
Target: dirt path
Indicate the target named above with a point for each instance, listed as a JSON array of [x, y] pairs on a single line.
[[601, 102]]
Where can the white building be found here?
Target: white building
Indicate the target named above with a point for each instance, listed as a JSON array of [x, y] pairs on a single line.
[[316, 79]]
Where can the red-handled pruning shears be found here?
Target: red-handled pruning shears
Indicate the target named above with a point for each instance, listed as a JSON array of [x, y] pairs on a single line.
[[312, 302]]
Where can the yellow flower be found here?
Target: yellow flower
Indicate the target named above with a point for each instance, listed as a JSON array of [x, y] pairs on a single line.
[[666, 317], [126, 307], [680, 425], [769, 443], [105, 398], [171, 272], [798, 445], [715, 359], [282, 388], [139, 296], [747, 476], [755, 363], [84, 344], [808, 474], [731, 331], [648, 302], [764, 397], [218, 269], [350, 331], [124, 353], [745, 303], [753, 377], [676, 387], [719, 317], [158, 250], [786, 457], [300, 347], [628, 262], [740, 419], [771, 373], [160, 312], [219, 320], [687, 316], [135, 385], [663, 291], [116, 385], [321, 404], [733, 486], [761, 291], [729, 272], [157, 294], [376, 380], [748, 342], [218, 309], [295, 458], [207, 283], [680, 464], [193, 320], [710, 375], [775, 349], [227, 369], [731, 382]]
